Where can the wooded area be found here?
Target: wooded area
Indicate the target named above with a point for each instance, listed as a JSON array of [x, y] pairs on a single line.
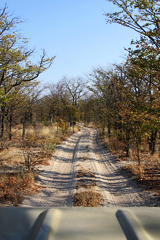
[[124, 100]]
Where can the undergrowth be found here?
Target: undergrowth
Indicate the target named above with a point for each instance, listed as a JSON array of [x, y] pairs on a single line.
[[13, 186], [146, 172], [19, 159]]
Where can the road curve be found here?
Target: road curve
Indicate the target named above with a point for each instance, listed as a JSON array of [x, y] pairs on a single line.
[[83, 151]]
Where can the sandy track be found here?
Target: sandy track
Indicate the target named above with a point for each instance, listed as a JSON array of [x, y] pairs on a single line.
[[83, 150], [58, 177]]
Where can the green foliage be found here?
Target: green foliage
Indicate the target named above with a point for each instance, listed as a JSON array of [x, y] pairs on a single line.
[[17, 73], [73, 114], [141, 16], [47, 123], [130, 92], [15, 64], [62, 124], [50, 145]]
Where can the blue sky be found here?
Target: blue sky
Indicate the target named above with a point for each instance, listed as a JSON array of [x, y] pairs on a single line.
[[74, 31]]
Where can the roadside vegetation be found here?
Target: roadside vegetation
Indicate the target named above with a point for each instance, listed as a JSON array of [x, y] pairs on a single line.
[[147, 173], [126, 100], [21, 158]]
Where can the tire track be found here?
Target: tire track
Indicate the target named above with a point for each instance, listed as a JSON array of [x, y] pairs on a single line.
[[59, 178], [117, 188]]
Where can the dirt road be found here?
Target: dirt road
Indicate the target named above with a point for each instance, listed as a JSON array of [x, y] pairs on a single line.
[[82, 164]]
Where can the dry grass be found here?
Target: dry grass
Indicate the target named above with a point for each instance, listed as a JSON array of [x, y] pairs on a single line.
[[84, 173], [39, 143], [155, 158], [43, 132], [147, 174], [12, 155], [113, 145], [85, 184], [19, 157], [13, 186], [39, 131], [90, 125], [87, 199]]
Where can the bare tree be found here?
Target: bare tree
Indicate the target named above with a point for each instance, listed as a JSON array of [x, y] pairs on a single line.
[[76, 88]]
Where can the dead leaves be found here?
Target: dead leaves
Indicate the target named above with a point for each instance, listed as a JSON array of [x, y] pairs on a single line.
[[14, 185], [87, 199]]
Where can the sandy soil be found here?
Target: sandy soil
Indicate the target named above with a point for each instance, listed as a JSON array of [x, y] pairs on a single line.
[[83, 152]]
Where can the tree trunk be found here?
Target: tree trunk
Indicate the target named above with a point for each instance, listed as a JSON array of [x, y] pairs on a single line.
[[109, 129], [2, 120], [138, 158], [103, 131], [57, 128], [127, 142], [127, 150], [24, 125], [31, 116], [51, 114], [24, 129], [10, 124], [152, 142], [51, 119], [2, 126], [28, 161]]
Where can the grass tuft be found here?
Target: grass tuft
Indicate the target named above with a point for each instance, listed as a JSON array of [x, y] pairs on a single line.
[[87, 199]]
